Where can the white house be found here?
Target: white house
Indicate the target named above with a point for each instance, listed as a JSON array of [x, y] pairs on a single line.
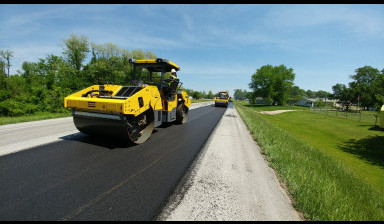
[[306, 102], [310, 102]]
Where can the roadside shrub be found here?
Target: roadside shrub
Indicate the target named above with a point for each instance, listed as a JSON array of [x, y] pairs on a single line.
[[55, 100], [13, 108], [319, 103], [4, 94]]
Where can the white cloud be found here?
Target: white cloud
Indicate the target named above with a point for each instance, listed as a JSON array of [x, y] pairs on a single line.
[[350, 18], [31, 54]]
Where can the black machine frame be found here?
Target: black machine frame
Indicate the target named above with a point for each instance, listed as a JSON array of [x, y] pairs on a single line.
[[162, 65]]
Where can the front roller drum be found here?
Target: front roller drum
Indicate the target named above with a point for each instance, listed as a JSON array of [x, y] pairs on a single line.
[[136, 130], [140, 128]]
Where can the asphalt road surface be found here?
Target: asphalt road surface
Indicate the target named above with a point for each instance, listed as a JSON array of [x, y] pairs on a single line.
[[87, 178], [207, 169]]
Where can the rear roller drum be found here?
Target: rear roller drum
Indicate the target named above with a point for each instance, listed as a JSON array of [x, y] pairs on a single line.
[[181, 114]]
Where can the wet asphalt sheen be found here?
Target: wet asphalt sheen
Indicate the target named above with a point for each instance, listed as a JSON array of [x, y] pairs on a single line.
[[88, 178]]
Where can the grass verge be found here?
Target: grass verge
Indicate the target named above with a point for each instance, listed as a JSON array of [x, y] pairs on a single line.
[[323, 186], [34, 117]]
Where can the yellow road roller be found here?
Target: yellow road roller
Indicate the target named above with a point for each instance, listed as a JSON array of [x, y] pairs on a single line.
[[222, 99], [131, 112]]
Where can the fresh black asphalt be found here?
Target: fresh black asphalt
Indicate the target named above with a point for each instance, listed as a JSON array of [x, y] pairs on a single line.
[[88, 178]]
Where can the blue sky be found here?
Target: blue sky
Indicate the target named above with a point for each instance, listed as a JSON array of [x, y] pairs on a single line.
[[218, 47]]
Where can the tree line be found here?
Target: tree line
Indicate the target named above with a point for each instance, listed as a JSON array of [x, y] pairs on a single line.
[[276, 85], [41, 86], [295, 94]]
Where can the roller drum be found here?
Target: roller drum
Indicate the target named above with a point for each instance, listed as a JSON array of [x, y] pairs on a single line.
[[133, 129], [101, 126]]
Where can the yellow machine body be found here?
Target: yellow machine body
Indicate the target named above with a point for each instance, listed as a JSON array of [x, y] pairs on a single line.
[[128, 111], [110, 105], [222, 99]]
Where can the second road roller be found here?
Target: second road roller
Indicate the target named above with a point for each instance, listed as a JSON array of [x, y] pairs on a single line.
[[222, 99], [131, 112]]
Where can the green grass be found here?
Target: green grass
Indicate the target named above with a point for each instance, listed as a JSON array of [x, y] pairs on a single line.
[[33, 117], [261, 107], [332, 167], [368, 117], [356, 145]]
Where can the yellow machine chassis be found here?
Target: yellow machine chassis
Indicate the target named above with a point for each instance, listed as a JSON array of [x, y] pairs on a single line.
[[222, 102], [128, 111], [130, 105]]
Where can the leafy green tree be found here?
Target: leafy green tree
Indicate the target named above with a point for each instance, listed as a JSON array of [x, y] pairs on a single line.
[[106, 51], [210, 95], [273, 83], [249, 95], [76, 50], [322, 94], [69, 77], [364, 86], [52, 66], [343, 94], [240, 94], [17, 85], [295, 94], [6, 56], [3, 76], [311, 94], [2, 66], [379, 85], [196, 95]]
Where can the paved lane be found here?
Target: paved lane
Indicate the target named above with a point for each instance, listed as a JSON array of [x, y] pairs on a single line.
[[25, 135], [85, 178]]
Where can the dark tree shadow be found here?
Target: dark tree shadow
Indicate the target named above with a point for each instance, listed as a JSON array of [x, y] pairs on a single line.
[[376, 128], [372, 127], [369, 149]]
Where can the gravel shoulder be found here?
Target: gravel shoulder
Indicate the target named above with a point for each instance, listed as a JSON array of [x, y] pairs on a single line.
[[230, 181]]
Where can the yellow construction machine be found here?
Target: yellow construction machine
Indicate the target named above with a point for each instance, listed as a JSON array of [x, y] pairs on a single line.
[[131, 112], [222, 99]]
